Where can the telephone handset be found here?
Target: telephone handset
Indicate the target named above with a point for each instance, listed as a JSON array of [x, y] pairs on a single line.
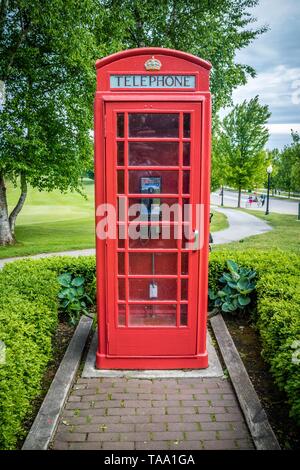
[[150, 206]]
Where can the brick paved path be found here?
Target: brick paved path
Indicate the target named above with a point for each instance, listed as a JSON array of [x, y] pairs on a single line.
[[158, 414]]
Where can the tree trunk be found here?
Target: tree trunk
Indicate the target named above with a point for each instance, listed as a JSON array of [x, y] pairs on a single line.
[[6, 236], [14, 214], [239, 197]]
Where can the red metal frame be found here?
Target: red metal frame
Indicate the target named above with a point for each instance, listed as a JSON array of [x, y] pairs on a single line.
[[165, 346]]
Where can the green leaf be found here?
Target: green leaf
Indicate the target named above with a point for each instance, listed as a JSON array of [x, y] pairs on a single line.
[[78, 281], [244, 300], [221, 293], [243, 283], [65, 279], [228, 307], [232, 266]]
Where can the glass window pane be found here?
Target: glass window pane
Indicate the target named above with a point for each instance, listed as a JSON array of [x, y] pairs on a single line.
[[153, 125], [186, 153], [120, 148], [121, 263], [186, 182], [121, 284], [152, 289], [184, 263], [121, 187], [168, 181], [152, 315], [184, 289], [121, 315], [183, 315], [120, 124], [153, 263], [186, 125], [153, 153]]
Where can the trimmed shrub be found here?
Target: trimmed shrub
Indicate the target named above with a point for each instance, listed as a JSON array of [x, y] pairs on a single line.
[[28, 318], [277, 312]]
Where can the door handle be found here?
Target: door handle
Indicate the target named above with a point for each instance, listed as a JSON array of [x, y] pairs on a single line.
[[196, 240]]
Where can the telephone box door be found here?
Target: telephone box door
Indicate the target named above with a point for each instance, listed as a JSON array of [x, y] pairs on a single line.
[[152, 171]]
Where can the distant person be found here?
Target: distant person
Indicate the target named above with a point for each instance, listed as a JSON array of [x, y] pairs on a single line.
[[250, 200], [262, 199]]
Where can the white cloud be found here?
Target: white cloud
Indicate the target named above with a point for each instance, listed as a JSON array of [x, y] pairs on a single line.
[[283, 129], [276, 87]]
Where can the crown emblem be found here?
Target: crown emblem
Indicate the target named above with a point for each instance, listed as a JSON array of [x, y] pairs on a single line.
[[153, 64]]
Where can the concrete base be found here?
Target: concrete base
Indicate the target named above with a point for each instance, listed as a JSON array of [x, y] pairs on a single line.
[[214, 368]]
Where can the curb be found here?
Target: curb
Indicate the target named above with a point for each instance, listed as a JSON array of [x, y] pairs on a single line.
[[47, 418], [260, 429]]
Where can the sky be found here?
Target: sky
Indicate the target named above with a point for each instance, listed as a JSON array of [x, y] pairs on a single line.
[[275, 55]]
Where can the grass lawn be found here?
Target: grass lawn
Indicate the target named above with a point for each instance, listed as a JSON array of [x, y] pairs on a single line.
[[52, 222], [285, 234], [218, 222]]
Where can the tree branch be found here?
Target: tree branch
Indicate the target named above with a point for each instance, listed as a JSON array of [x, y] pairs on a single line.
[[15, 212]]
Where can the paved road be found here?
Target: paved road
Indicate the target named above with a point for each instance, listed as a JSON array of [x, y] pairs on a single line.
[[280, 206], [241, 225], [87, 252]]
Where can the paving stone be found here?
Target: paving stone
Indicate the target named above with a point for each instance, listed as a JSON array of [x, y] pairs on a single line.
[[229, 417], [183, 426], [122, 411], [85, 446], [70, 437], [168, 418], [207, 426], [153, 427], [152, 445], [233, 434], [134, 419], [73, 398], [151, 411], [220, 445], [60, 445], [103, 436], [200, 435], [185, 410], [168, 436], [135, 436], [186, 445], [244, 444], [118, 446]]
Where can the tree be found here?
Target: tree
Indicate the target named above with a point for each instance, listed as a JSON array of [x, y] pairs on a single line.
[[244, 136], [288, 164], [46, 63], [47, 55], [219, 171], [213, 30]]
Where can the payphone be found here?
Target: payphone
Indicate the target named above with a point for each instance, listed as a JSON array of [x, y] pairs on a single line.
[[152, 150]]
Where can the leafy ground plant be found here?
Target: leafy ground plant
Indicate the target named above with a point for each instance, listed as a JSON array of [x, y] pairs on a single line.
[[238, 283], [73, 299]]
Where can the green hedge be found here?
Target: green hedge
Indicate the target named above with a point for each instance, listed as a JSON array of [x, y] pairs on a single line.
[[277, 312], [28, 319], [29, 315]]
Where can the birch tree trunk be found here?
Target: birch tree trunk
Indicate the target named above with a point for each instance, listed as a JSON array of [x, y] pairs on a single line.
[[6, 236], [14, 214]]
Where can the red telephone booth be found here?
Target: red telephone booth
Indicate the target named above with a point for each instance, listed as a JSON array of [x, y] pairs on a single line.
[[152, 159]]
